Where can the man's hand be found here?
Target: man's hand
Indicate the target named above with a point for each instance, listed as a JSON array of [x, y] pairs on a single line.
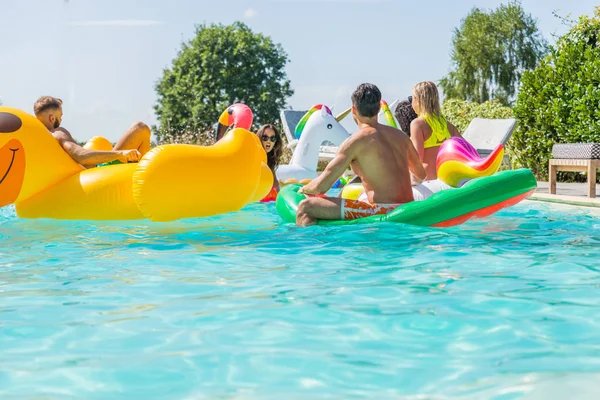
[[308, 190], [415, 181], [126, 156]]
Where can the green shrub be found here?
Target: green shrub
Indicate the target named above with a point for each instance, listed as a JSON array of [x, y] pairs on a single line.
[[559, 102], [461, 112]]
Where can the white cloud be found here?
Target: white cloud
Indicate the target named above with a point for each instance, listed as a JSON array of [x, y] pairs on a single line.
[[250, 13], [119, 23]]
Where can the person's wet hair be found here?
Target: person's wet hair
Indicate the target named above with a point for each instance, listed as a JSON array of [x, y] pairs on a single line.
[[367, 100], [405, 114]]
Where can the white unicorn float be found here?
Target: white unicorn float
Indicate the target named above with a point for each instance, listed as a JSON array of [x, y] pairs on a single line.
[[317, 126]]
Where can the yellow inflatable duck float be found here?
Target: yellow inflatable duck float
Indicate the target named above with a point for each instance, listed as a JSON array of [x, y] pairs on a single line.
[[169, 182]]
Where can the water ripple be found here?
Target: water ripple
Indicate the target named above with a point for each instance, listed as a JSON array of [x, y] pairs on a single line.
[[242, 306]]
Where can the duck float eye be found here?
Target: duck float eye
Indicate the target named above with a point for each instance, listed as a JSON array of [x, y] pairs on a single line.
[[9, 122]]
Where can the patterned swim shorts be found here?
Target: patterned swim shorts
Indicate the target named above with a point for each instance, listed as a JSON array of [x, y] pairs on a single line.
[[355, 209]]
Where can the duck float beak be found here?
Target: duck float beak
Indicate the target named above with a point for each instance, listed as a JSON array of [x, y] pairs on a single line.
[[12, 159], [12, 171]]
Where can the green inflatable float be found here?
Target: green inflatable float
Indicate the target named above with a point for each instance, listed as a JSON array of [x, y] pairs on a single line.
[[470, 187]]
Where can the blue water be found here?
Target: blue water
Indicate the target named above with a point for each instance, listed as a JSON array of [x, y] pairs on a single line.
[[242, 306]]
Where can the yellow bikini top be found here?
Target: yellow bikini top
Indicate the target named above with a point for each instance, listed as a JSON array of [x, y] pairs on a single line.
[[439, 130]]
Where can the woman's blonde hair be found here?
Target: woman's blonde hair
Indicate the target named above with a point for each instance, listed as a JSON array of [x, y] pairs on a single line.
[[427, 99]]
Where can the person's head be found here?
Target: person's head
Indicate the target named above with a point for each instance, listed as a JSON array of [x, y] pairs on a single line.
[[366, 102], [48, 109], [426, 99], [405, 114], [271, 142]]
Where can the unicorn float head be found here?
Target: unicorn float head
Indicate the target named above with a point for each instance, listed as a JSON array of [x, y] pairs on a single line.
[[459, 162], [317, 126]]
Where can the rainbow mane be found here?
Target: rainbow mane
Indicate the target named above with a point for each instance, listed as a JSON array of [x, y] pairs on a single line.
[[302, 122], [458, 162]]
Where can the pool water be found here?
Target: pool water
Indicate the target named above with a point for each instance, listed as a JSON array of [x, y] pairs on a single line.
[[242, 306]]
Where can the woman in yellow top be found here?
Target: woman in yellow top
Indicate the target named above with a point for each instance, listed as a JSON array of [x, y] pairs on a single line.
[[430, 129]]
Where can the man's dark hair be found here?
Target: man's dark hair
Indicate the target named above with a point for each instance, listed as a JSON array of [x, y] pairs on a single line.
[[367, 98], [405, 114], [46, 103]]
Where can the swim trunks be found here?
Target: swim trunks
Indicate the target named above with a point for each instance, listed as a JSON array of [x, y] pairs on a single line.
[[355, 209]]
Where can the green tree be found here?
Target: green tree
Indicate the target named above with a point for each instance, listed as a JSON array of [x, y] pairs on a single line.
[[559, 102], [490, 52], [220, 66]]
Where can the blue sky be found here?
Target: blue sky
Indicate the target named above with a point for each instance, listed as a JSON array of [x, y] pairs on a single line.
[[103, 57]]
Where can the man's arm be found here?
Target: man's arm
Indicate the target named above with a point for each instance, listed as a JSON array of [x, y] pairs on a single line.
[[91, 157], [336, 168], [415, 165]]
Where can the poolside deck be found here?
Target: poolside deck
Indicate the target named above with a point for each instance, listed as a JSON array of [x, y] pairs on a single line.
[[567, 193]]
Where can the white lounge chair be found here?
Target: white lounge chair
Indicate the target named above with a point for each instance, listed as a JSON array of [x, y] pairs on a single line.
[[485, 134]]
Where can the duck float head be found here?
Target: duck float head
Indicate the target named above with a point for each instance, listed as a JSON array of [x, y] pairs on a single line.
[[30, 158]]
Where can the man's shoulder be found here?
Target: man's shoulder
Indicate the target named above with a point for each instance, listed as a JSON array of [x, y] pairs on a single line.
[[361, 134], [62, 134]]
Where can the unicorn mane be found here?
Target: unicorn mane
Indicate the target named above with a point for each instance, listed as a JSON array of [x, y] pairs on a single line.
[[304, 120]]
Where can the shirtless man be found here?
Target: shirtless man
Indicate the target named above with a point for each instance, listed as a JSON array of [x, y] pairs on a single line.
[[430, 129], [382, 156], [134, 143]]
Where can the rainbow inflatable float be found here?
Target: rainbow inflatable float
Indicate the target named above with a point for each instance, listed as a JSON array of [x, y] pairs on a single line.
[[467, 187], [170, 181]]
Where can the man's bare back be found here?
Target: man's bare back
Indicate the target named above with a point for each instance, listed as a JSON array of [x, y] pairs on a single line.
[[383, 162]]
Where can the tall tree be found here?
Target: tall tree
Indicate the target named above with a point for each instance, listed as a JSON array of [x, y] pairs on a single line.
[[490, 52], [220, 66]]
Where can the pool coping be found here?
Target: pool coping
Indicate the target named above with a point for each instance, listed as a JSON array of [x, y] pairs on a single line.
[[563, 199]]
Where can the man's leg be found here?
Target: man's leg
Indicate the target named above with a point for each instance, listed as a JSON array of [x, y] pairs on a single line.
[[137, 137], [312, 209]]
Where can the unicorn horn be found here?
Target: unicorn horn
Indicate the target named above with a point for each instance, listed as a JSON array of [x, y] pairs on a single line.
[[343, 114]]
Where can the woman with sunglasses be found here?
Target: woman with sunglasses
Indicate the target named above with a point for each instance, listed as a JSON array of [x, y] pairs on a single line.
[[271, 142]]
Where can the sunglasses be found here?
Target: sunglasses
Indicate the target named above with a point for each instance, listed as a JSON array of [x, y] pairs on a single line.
[[273, 139]]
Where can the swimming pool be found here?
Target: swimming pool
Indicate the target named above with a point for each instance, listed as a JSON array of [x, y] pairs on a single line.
[[241, 306]]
